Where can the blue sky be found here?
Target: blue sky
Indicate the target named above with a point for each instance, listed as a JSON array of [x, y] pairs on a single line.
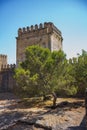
[[70, 16]]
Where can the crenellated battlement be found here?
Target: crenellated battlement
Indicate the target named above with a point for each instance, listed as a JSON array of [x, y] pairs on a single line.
[[3, 56], [8, 67], [46, 27]]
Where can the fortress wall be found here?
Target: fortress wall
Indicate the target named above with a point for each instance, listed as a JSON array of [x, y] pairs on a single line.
[[56, 42], [7, 81], [23, 44]]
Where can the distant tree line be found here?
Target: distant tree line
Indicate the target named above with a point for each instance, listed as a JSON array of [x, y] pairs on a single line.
[[44, 72]]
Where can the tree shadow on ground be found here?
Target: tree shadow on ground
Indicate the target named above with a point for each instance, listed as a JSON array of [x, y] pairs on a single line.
[[65, 106], [7, 96], [33, 116], [9, 120], [69, 105], [80, 127], [59, 108]]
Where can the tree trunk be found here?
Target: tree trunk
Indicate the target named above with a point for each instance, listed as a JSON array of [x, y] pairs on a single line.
[[54, 99]]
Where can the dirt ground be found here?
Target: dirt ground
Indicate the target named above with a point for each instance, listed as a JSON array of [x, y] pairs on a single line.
[[68, 115]]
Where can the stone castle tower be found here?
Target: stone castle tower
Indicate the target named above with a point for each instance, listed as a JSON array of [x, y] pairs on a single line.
[[45, 35], [3, 60]]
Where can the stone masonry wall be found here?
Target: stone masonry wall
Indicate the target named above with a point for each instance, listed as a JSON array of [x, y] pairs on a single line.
[[7, 82], [45, 35], [56, 42]]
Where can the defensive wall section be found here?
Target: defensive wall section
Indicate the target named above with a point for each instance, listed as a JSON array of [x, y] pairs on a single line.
[[7, 81], [41, 29]]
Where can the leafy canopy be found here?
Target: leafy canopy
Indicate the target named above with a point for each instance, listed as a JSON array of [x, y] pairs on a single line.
[[36, 74]]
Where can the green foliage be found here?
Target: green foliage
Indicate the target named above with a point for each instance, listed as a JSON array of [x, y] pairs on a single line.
[[25, 81], [44, 72], [81, 72], [36, 74]]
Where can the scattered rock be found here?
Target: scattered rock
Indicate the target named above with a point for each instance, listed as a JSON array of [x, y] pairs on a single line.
[[28, 121]]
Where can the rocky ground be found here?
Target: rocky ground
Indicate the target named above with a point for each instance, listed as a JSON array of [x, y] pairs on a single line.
[[68, 115]]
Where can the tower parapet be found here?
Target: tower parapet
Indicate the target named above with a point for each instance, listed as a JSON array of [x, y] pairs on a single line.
[[41, 29], [8, 67], [3, 56]]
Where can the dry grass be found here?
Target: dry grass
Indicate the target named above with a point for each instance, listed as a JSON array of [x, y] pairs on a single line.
[[38, 102], [35, 102]]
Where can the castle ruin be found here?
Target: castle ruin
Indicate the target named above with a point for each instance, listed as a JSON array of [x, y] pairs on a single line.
[[45, 35]]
